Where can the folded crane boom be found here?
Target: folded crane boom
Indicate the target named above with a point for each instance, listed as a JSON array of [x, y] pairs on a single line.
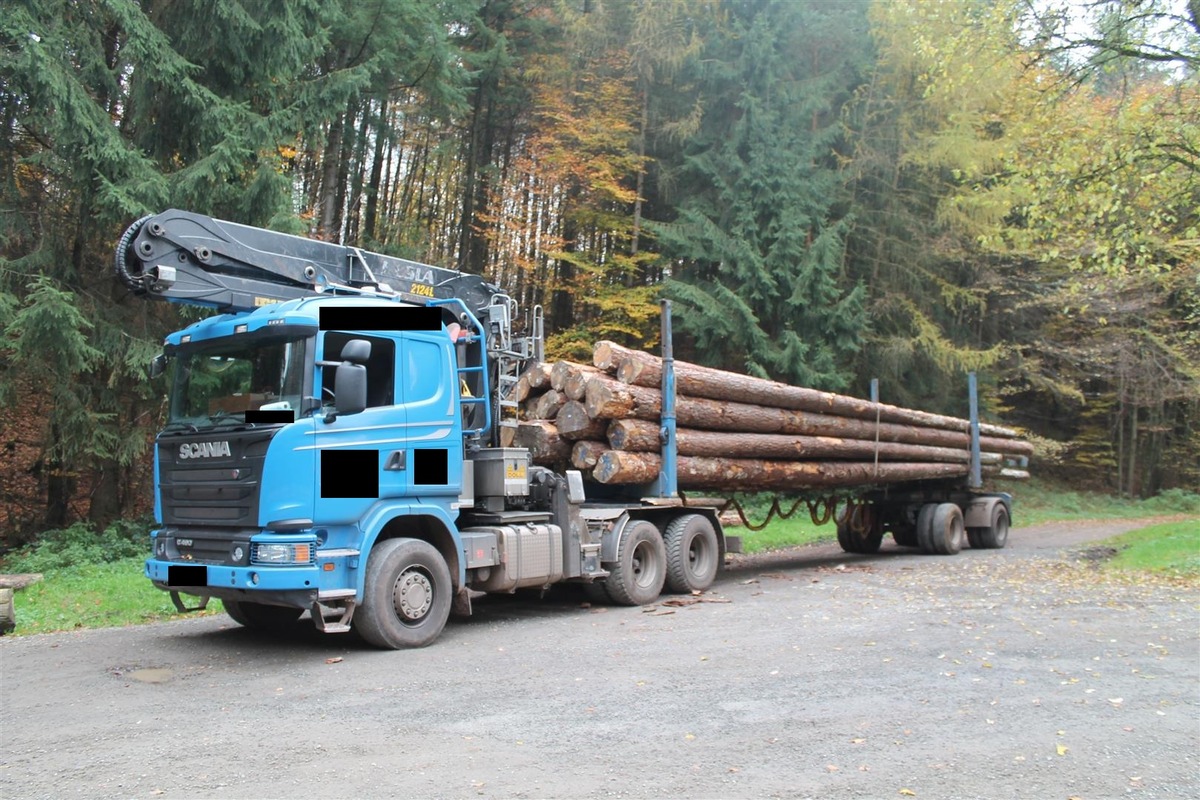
[[198, 260]]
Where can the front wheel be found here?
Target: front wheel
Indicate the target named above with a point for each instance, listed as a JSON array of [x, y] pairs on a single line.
[[261, 616], [407, 597]]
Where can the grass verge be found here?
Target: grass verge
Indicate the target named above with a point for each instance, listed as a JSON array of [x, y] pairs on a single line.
[[1171, 548], [105, 595]]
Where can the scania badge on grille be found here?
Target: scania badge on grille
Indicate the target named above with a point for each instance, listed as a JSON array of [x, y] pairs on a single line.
[[204, 450]]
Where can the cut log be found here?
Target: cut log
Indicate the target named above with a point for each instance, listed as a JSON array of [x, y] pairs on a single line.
[[584, 455], [562, 372], [641, 436], [546, 406], [521, 389], [575, 423], [577, 383], [545, 445], [606, 396], [538, 375], [643, 369], [734, 474]]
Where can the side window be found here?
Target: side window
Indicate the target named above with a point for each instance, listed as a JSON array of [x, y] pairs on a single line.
[[381, 367], [424, 372]]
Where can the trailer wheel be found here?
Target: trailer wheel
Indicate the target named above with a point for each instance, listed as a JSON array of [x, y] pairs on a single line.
[[637, 577], [946, 530], [861, 531], [261, 616], [995, 536], [407, 596], [693, 553], [925, 528]]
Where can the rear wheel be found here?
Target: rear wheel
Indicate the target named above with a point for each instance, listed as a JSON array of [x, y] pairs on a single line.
[[860, 531], [407, 596], [260, 615], [693, 553], [946, 530], [925, 527], [637, 577]]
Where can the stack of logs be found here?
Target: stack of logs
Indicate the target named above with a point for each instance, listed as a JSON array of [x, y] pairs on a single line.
[[736, 432]]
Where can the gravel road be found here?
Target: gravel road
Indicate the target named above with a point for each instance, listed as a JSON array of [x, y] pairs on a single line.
[[804, 673]]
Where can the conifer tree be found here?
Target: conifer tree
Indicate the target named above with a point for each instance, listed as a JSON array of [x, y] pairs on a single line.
[[760, 238]]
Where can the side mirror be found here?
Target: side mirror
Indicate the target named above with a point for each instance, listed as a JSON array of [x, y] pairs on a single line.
[[351, 384], [158, 365]]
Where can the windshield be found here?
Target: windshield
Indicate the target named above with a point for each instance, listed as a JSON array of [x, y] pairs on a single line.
[[223, 379]]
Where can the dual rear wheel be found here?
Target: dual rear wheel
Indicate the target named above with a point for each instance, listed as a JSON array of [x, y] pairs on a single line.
[[684, 558]]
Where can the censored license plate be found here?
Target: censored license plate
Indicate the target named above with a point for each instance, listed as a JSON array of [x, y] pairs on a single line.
[[187, 576]]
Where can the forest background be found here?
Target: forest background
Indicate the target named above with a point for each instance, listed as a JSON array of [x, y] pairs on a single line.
[[830, 191]]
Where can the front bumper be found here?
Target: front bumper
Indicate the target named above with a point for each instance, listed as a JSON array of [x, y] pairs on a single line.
[[297, 586]]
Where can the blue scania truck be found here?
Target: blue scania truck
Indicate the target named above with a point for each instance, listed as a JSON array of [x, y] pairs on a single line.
[[335, 437]]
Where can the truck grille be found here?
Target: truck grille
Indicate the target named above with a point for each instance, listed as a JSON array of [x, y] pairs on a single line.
[[200, 485]]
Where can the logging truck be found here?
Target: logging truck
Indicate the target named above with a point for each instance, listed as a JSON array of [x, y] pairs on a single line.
[[368, 439]]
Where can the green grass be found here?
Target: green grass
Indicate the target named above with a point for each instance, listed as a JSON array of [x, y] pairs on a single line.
[[1035, 502], [1171, 548], [90, 579], [104, 595]]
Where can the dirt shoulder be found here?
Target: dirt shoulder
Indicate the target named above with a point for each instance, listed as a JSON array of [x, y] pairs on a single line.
[[805, 673]]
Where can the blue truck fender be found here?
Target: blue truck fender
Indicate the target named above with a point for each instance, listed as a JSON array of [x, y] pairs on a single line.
[[428, 522]]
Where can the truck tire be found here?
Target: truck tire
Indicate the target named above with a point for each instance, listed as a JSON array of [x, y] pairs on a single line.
[[637, 577], [261, 616], [693, 554], [407, 596], [947, 533], [925, 527], [995, 536], [861, 531]]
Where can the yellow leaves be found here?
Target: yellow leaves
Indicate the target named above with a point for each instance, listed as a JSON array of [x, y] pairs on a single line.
[[1061, 749], [908, 793]]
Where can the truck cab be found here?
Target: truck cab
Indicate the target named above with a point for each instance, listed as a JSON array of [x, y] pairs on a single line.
[[273, 480]]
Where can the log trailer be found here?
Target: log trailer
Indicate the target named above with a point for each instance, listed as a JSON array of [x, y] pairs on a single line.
[[334, 441]]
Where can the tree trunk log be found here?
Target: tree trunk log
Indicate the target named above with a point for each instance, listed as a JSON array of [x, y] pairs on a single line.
[[732, 474], [643, 369], [547, 405], [637, 435], [543, 442], [538, 374], [562, 372], [608, 398], [574, 423], [521, 388], [585, 454]]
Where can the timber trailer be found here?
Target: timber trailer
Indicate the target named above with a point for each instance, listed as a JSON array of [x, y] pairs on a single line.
[[333, 446]]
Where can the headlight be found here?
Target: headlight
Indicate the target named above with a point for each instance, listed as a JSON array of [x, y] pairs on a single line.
[[282, 554]]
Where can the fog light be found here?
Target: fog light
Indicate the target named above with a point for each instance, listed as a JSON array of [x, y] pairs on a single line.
[[238, 552]]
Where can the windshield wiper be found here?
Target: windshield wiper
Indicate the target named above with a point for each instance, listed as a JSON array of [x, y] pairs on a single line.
[[222, 419], [187, 426]]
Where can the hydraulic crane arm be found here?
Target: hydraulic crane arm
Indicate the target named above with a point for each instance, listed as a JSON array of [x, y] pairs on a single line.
[[190, 258]]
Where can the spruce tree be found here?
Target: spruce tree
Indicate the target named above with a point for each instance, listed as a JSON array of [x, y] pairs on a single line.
[[760, 238]]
